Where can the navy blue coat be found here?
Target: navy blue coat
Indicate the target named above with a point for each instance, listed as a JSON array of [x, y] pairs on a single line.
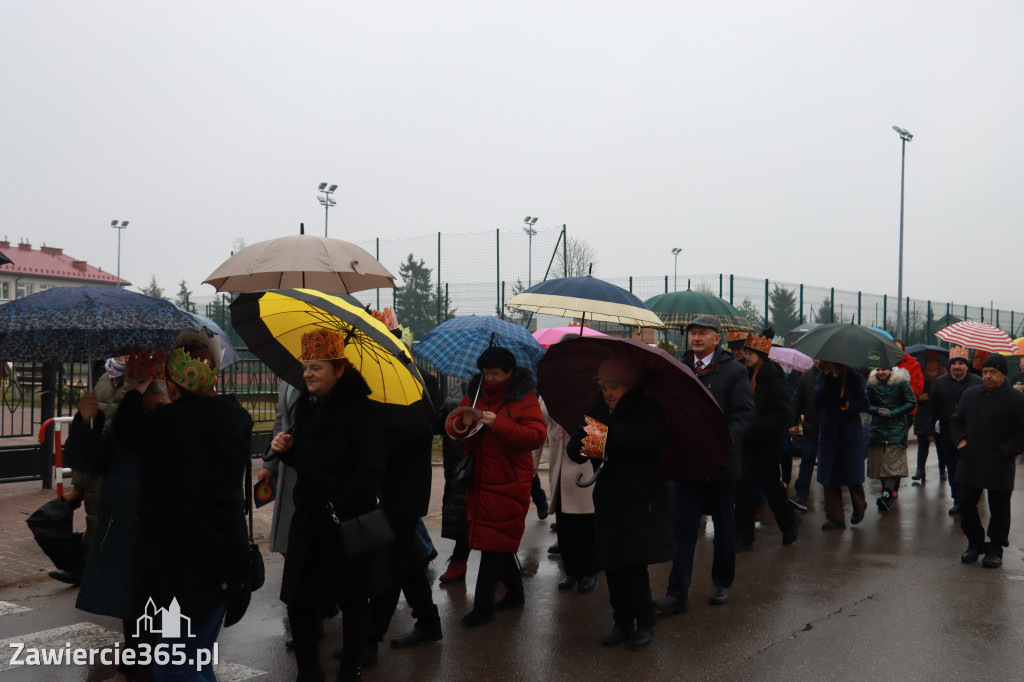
[[841, 431]]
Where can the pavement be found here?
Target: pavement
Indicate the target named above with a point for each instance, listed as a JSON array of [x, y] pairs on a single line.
[[887, 599]]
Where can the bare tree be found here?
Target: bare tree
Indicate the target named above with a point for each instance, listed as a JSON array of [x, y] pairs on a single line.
[[579, 255]]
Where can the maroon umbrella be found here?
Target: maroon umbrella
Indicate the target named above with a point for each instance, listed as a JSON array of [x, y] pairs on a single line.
[[699, 441]]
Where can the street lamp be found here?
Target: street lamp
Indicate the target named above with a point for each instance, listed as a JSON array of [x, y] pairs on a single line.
[[675, 275], [326, 201], [906, 137], [530, 222], [119, 228]]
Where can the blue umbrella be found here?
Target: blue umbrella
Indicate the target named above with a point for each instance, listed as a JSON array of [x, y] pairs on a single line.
[[920, 353], [454, 345], [586, 297], [882, 332], [77, 324], [229, 355]]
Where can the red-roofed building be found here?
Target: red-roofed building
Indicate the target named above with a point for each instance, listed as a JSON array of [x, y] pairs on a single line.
[[33, 270]]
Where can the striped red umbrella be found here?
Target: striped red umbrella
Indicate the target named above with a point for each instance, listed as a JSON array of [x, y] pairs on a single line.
[[979, 336]]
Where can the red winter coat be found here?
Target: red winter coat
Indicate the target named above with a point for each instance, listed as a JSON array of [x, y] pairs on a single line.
[[503, 472], [913, 367]]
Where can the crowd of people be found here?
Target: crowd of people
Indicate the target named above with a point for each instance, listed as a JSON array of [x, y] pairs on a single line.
[[336, 460]]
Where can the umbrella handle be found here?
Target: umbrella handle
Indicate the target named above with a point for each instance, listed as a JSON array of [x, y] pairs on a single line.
[[592, 480]]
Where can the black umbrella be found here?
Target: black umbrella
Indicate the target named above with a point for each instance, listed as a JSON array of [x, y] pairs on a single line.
[[4, 260], [849, 344]]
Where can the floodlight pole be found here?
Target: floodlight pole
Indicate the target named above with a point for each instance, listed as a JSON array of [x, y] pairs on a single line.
[[326, 201], [905, 137], [530, 222], [675, 274], [120, 228]]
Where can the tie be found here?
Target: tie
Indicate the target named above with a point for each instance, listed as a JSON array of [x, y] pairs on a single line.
[[698, 365]]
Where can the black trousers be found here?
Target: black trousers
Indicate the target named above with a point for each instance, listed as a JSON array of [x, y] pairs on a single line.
[[494, 567], [576, 542], [999, 516], [405, 575], [764, 471], [629, 591], [306, 630]]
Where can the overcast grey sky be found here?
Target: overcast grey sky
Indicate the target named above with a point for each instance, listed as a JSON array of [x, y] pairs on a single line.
[[756, 136]]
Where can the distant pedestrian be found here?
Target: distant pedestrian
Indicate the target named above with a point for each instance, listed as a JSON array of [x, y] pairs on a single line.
[[988, 429], [890, 400], [841, 398], [944, 399], [804, 425], [924, 419]]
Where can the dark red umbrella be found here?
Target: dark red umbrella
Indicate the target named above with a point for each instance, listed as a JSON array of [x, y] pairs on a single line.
[[699, 441]]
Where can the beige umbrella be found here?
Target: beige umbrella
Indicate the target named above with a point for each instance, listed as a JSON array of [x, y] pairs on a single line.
[[301, 261]]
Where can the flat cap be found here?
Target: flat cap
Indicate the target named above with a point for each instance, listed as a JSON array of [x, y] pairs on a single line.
[[709, 321]]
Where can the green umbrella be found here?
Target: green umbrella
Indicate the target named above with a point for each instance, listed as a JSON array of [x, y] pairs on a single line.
[[677, 309], [849, 344]]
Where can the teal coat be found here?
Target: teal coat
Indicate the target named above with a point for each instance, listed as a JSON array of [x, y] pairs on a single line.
[[896, 395]]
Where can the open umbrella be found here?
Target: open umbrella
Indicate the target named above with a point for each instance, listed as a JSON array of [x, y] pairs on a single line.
[[881, 331], [301, 261], [1019, 343], [849, 344], [921, 351], [679, 308], [229, 355], [791, 358], [77, 324], [454, 345], [588, 298], [546, 337], [979, 336], [796, 332], [272, 324], [699, 438]]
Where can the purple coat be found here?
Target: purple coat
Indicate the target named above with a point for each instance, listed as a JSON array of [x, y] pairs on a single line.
[[840, 431]]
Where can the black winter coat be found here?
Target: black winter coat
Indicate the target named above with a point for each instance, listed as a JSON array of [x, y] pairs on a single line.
[[454, 510], [945, 396], [803, 403], [772, 412], [405, 491], [727, 380], [338, 456], [992, 422], [632, 516], [193, 541]]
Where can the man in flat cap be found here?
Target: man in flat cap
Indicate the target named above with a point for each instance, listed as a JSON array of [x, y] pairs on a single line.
[[727, 380], [988, 430]]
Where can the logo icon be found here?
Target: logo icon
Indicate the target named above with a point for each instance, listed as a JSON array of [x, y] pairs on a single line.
[[170, 620]]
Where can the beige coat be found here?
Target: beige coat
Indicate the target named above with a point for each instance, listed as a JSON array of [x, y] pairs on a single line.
[[562, 471]]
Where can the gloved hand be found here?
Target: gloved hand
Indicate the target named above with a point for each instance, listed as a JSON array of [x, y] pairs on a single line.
[[884, 412]]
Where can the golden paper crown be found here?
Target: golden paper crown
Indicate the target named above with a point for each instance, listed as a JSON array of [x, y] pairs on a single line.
[[141, 366], [958, 353], [322, 344], [594, 442], [386, 316], [189, 372], [734, 337], [759, 343]]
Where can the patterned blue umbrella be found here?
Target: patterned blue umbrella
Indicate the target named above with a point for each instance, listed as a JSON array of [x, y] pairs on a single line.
[[77, 324], [454, 345]]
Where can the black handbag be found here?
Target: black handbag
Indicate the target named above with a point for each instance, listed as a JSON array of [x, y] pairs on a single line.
[[257, 571], [364, 533], [463, 474]]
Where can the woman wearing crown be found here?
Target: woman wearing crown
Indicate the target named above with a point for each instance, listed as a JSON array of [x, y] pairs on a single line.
[[336, 450]]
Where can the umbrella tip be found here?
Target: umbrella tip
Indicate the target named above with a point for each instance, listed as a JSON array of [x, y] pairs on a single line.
[[302, 228]]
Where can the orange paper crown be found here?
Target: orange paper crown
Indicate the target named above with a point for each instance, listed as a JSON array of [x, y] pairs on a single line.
[[762, 344], [322, 344], [386, 316], [595, 440], [141, 366], [958, 353], [733, 337]]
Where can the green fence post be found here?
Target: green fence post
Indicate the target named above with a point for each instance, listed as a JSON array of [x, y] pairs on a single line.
[[885, 310], [731, 283], [439, 320], [565, 253], [502, 307], [720, 285], [832, 305], [766, 301], [801, 304], [497, 273], [858, 308], [666, 284]]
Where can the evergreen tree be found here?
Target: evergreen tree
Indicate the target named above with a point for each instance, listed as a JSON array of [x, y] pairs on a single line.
[[782, 304], [416, 299], [184, 298], [749, 310], [154, 289], [824, 315]]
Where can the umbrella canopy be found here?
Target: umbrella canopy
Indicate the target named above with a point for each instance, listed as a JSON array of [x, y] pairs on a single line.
[[679, 308], [881, 331], [546, 337], [920, 351], [1020, 347], [77, 324], [301, 261], [799, 330], [4, 260], [229, 355], [849, 344], [272, 324], [586, 297], [454, 345], [791, 358], [699, 438], [979, 336]]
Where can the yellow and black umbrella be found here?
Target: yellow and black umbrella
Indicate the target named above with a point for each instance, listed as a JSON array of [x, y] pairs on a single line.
[[272, 324]]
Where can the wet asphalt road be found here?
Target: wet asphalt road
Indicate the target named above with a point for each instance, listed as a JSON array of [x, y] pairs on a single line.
[[888, 599]]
